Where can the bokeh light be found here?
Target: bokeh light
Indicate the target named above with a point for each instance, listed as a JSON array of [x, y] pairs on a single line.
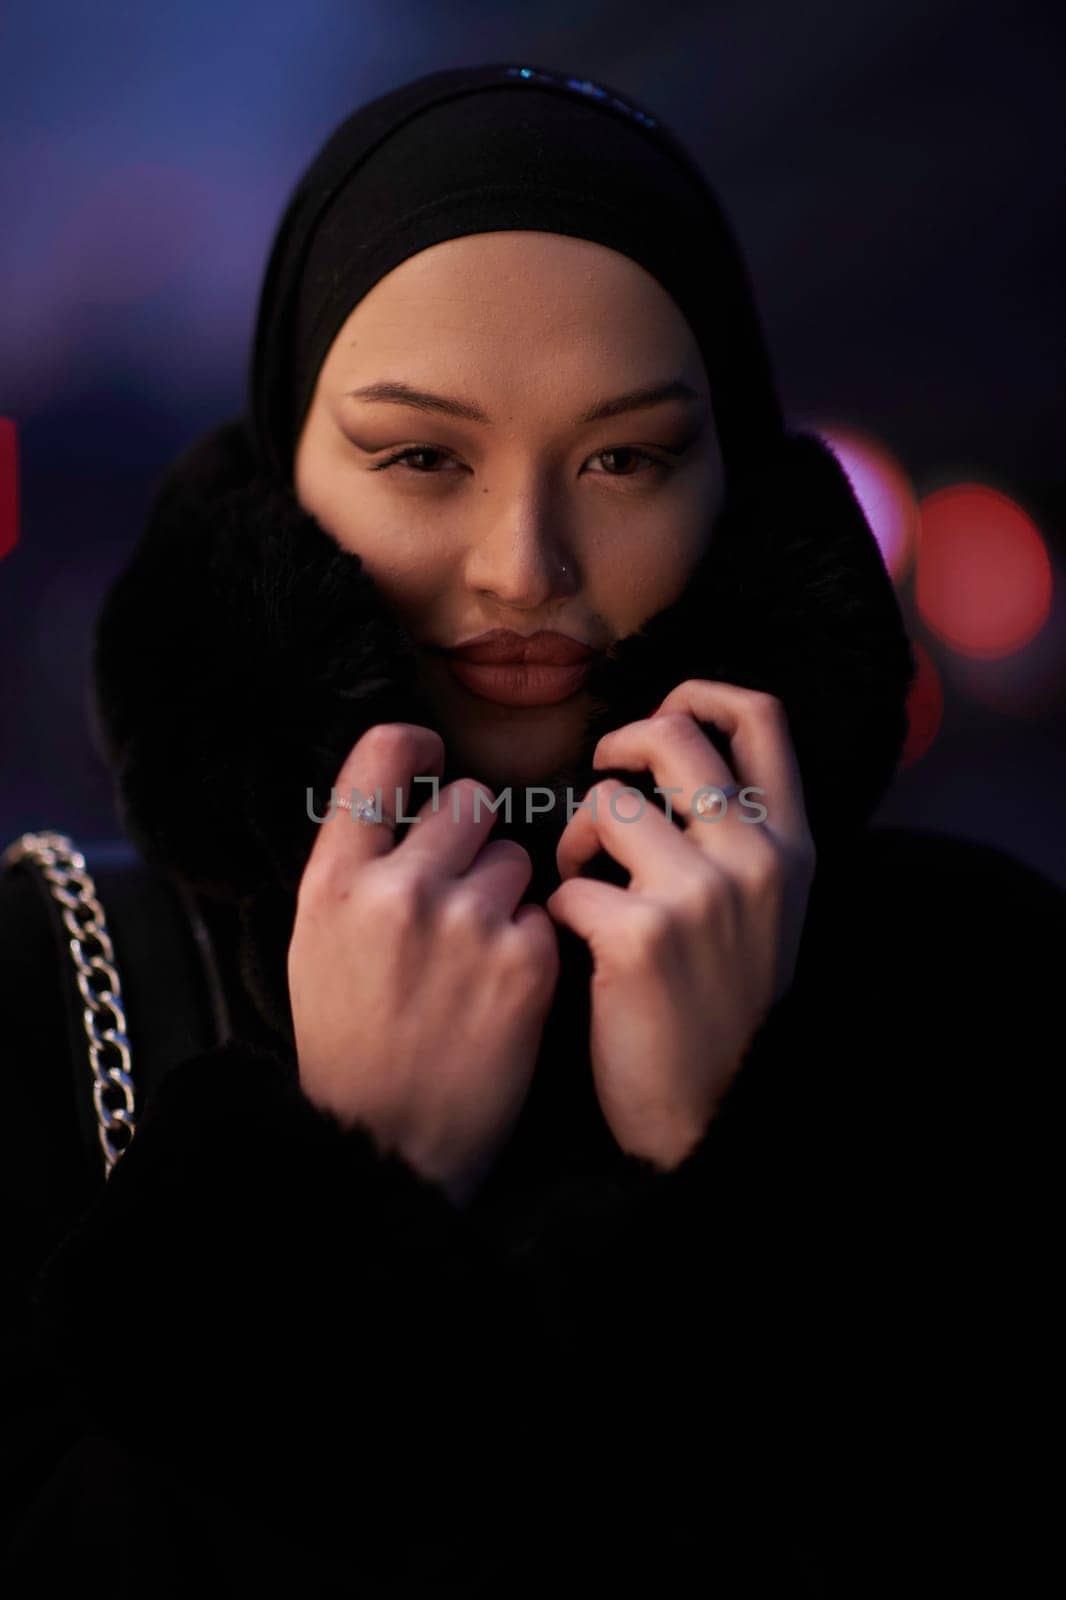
[[1029, 683], [882, 488], [9, 498], [983, 576], [925, 707]]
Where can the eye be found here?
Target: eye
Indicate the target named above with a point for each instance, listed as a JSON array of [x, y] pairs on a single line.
[[408, 455], [628, 454], [414, 459]]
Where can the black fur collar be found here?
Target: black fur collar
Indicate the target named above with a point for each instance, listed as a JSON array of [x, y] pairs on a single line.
[[242, 652]]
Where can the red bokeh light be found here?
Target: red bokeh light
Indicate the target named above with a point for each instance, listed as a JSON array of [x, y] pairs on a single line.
[[925, 707], [9, 497], [983, 576]]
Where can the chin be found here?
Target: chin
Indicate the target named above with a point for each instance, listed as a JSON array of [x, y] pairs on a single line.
[[521, 747], [503, 763], [507, 745]]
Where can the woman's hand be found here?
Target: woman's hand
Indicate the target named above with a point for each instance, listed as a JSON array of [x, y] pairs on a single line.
[[692, 953], [419, 993]]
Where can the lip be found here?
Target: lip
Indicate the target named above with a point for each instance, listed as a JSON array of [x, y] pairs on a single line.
[[518, 683], [502, 647]]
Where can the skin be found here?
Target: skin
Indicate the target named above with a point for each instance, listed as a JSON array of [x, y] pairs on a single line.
[[533, 328], [530, 521]]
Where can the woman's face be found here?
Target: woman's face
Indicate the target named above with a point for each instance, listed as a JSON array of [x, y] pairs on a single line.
[[527, 516]]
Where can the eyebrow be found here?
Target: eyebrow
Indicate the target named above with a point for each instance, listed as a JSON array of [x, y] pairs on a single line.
[[403, 394]]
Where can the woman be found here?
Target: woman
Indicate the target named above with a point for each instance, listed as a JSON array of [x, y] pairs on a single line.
[[557, 1210]]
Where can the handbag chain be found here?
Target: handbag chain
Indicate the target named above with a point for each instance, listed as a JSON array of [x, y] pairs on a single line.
[[104, 1016]]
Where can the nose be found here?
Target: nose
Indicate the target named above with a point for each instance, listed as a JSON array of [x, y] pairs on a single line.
[[519, 558]]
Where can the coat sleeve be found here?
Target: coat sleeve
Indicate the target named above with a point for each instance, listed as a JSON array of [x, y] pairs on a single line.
[[901, 1075], [849, 1271], [673, 1269], [264, 1321]]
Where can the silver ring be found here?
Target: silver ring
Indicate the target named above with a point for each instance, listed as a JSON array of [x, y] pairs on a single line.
[[366, 811], [706, 802]]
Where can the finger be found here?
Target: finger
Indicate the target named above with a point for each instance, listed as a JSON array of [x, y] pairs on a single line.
[[589, 909], [388, 757], [500, 875], [688, 770], [452, 827], [760, 746], [535, 927], [630, 828]]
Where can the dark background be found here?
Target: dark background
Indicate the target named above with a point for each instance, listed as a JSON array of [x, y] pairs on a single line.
[[893, 172]]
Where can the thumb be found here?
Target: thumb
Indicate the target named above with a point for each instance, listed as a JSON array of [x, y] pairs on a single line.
[[588, 909]]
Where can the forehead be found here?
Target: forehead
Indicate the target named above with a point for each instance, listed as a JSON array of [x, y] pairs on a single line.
[[519, 297]]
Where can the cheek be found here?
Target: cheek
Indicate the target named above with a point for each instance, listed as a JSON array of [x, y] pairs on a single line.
[[409, 584], [405, 565], [645, 564], [647, 576]]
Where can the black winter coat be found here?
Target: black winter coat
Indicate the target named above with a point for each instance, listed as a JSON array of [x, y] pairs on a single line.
[[268, 1353]]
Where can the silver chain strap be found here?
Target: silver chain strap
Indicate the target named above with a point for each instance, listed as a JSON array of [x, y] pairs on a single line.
[[104, 1016]]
